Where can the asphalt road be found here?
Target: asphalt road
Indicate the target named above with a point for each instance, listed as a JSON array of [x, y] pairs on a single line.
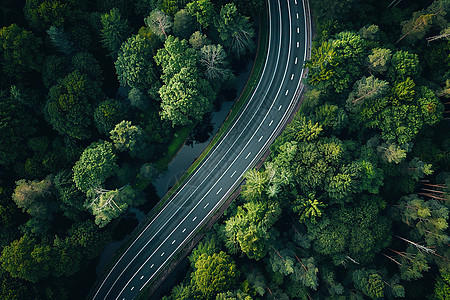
[[217, 177]]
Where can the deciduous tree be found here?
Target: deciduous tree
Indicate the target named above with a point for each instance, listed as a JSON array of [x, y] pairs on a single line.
[[96, 164]]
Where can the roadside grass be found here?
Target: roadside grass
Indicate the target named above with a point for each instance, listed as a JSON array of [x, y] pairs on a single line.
[[175, 146]]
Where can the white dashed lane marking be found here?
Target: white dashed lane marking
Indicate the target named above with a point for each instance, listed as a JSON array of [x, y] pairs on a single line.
[[280, 107], [132, 288], [287, 92], [292, 76], [142, 277], [298, 30], [218, 191], [184, 230], [297, 15], [173, 242], [296, 60], [152, 266], [162, 254], [206, 206], [298, 44], [260, 139], [270, 123], [194, 219], [233, 174]]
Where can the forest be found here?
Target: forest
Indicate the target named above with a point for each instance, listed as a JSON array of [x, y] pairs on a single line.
[[353, 201], [96, 98]]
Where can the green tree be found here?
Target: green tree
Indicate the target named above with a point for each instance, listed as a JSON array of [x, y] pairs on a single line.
[[19, 51], [54, 67], [256, 183], [41, 14], [175, 56], [369, 282], [87, 64], [442, 287], [250, 229], [235, 30], [134, 64], [138, 99], [72, 199], [60, 39], [427, 218], [214, 274], [186, 98], [198, 40], [379, 60], [108, 114], [308, 208], [25, 259], [203, 10], [366, 88], [183, 24], [159, 23], [96, 164], [132, 138], [115, 31], [68, 106], [403, 65]]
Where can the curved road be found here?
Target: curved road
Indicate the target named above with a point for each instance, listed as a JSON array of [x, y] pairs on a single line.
[[245, 142]]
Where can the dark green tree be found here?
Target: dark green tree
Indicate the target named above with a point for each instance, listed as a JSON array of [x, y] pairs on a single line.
[[108, 114], [19, 51], [203, 10], [115, 31], [60, 39], [69, 105], [183, 24], [134, 64]]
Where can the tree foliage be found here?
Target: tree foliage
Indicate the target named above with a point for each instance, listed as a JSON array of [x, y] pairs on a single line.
[[96, 164]]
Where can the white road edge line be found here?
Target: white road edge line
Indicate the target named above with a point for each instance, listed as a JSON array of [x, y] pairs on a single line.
[[259, 140], [234, 159]]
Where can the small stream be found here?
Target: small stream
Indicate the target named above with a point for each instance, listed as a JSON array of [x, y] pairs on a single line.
[[178, 166]]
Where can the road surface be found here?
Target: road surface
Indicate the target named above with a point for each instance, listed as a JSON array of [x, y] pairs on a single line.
[[240, 149]]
